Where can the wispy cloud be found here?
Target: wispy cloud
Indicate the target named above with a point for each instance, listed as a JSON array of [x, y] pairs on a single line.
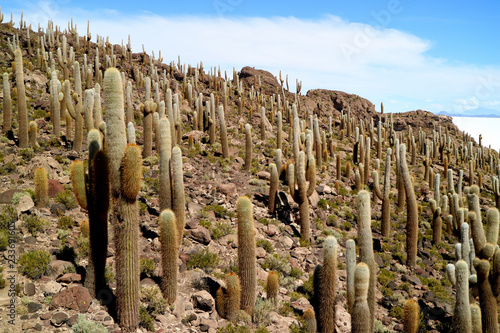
[[372, 61]]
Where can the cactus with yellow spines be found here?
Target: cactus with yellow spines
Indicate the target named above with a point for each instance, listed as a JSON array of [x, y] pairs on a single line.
[[411, 209], [22, 112], [272, 286], [326, 292], [350, 269], [411, 314], [124, 162], [165, 190], [169, 247], [233, 297], [310, 321], [360, 316], [41, 187], [246, 254]]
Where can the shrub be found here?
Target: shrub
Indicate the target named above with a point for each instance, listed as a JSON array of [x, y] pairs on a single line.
[[109, 274], [218, 210], [4, 239], [66, 198], [27, 153], [203, 259], [265, 244], [7, 215], [34, 264], [65, 222], [83, 245], [35, 224], [86, 326], [147, 266], [155, 305], [220, 229], [84, 228], [18, 195]]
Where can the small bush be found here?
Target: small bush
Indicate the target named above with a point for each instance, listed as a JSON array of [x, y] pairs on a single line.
[[218, 210], [220, 229], [4, 239], [27, 153], [17, 197], [35, 224], [397, 312], [203, 259], [66, 198], [7, 215], [155, 305], [34, 264], [83, 245], [86, 326], [265, 244], [65, 222], [147, 266], [277, 263], [84, 228], [109, 274]]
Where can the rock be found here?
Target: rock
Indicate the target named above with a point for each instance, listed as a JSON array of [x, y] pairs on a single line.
[[6, 196], [342, 319], [412, 279], [301, 305], [207, 324], [227, 189], [72, 320], [75, 298], [379, 261], [46, 315], [200, 234], [57, 267], [260, 252], [271, 230], [314, 199], [34, 307], [29, 289], [48, 163], [203, 300], [55, 187], [24, 205], [70, 277], [30, 240], [194, 208], [264, 175], [286, 242], [59, 318], [51, 287]]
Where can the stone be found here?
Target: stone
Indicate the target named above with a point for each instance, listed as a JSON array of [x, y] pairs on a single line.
[[342, 319], [51, 287], [75, 298], [200, 234], [46, 315], [314, 199], [412, 279], [55, 187], [48, 163], [227, 189], [69, 277], [72, 320], [301, 305], [34, 307], [264, 175], [24, 205], [57, 267], [59, 318], [271, 230], [203, 300], [6, 196], [29, 289], [30, 240], [260, 252]]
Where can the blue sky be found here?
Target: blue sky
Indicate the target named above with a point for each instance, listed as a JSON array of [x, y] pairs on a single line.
[[431, 55]]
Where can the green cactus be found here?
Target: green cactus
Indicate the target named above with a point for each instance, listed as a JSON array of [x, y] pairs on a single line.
[[246, 253], [41, 187], [272, 286], [148, 108], [326, 292], [350, 269], [168, 240], [361, 317], [475, 311], [32, 133], [233, 297], [178, 196], [310, 321], [22, 112]]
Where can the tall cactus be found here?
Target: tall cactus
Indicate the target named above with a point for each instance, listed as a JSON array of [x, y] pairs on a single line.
[[248, 147], [365, 242], [411, 209], [462, 315], [168, 240], [386, 195], [327, 280], [411, 316], [246, 254], [7, 105], [41, 187], [361, 317], [178, 196], [233, 297], [273, 188], [223, 133], [22, 112], [165, 191], [350, 269], [125, 164]]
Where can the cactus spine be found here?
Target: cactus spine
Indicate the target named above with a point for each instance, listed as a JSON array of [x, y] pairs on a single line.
[[411, 208], [178, 197], [168, 240], [361, 317], [246, 253], [365, 241], [22, 112], [326, 293], [123, 163], [41, 187], [411, 316]]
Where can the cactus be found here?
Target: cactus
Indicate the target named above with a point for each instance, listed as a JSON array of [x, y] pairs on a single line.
[[248, 147], [475, 311], [272, 286], [411, 316], [178, 196], [76, 112], [361, 317], [436, 222], [223, 133], [350, 268], [326, 292], [41, 187], [273, 188], [487, 300], [462, 315], [165, 190], [310, 321], [22, 112], [148, 108], [411, 209], [168, 240], [56, 99], [246, 254], [365, 242], [220, 301], [7, 105], [280, 130], [123, 162], [386, 195], [232, 297], [32, 132]]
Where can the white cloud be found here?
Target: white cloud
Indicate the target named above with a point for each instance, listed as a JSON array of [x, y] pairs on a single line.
[[374, 62]]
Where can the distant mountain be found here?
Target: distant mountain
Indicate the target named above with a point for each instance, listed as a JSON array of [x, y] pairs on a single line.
[[477, 112]]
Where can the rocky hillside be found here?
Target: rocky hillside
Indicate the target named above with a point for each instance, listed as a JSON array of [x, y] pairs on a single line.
[[47, 273]]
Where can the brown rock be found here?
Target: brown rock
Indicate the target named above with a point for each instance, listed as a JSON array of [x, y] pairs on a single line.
[[200, 234], [57, 267], [227, 189], [264, 175], [69, 277], [203, 300], [55, 187], [301, 305], [24, 205], [6, 196], [59, 318], [76, 298]]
